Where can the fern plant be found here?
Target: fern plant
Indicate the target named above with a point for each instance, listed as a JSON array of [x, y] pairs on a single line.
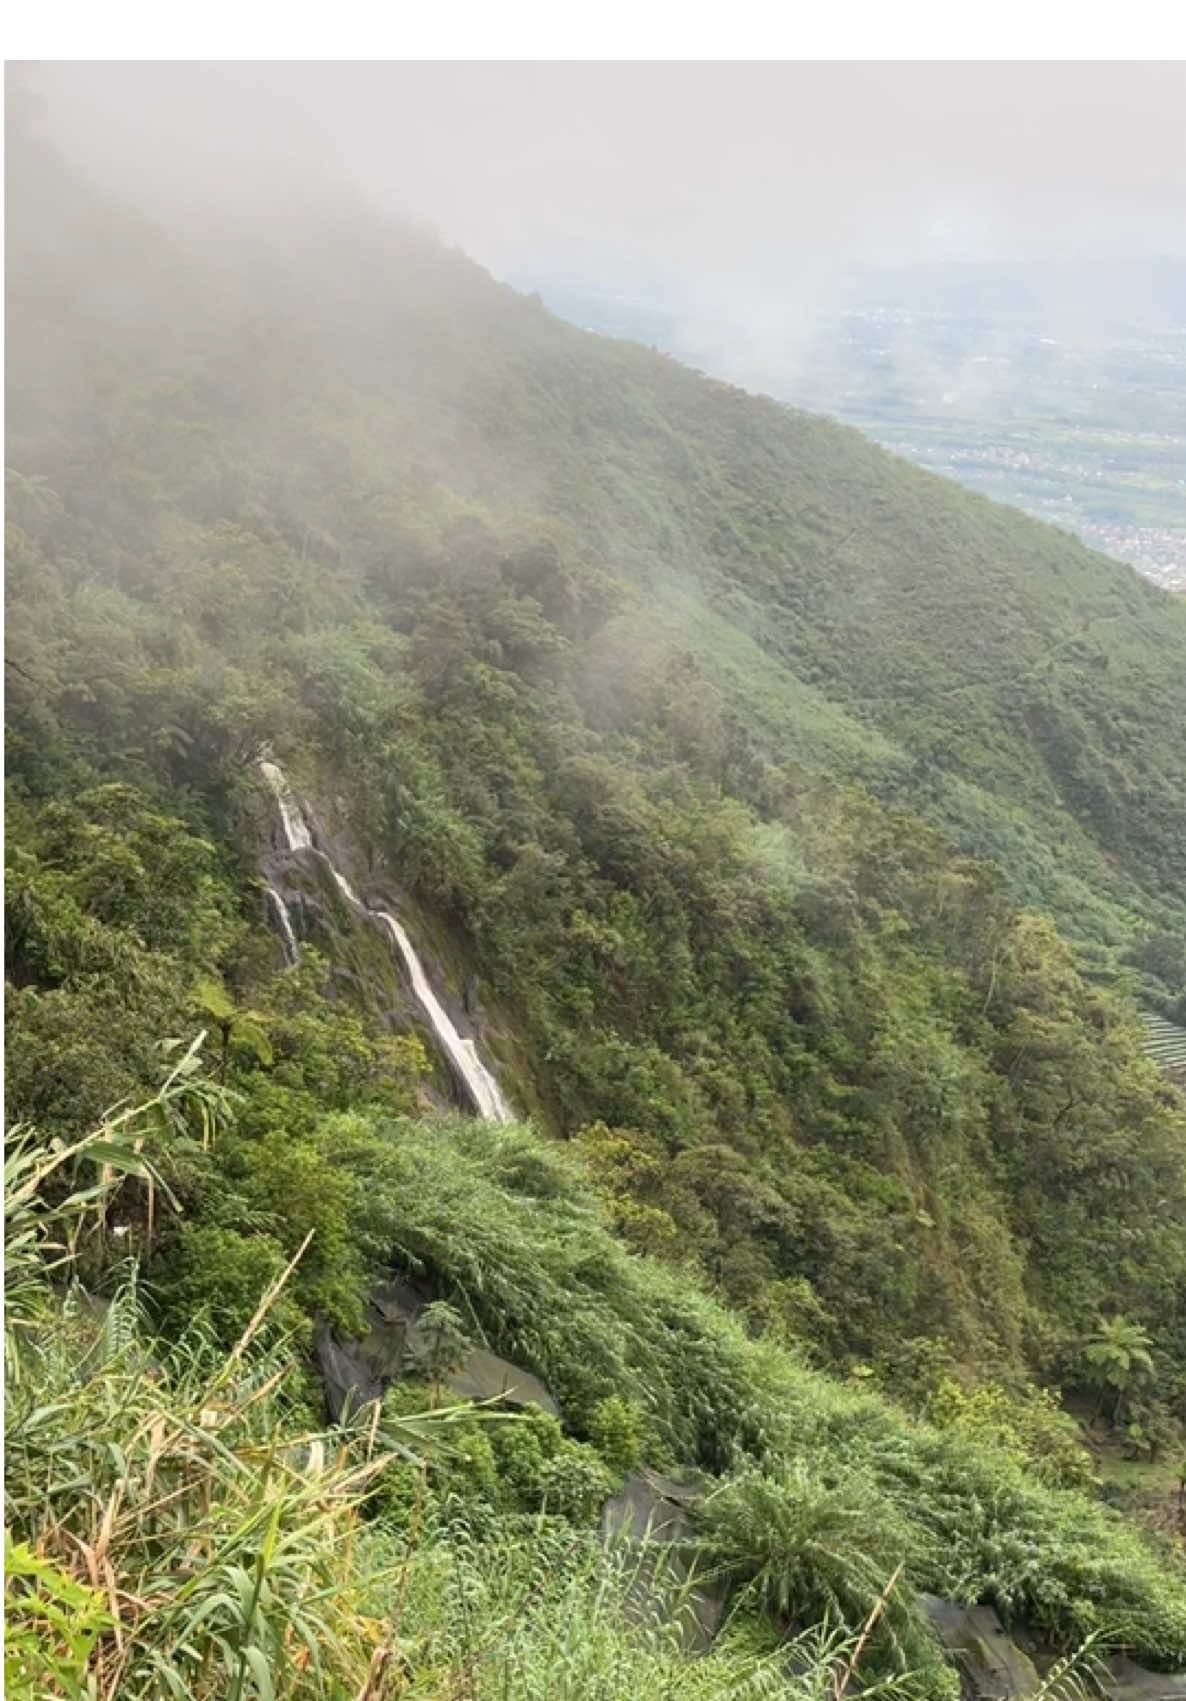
[[808, 1551]]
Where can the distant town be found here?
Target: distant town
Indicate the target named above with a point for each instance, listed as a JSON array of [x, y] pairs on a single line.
[[1076, 414]]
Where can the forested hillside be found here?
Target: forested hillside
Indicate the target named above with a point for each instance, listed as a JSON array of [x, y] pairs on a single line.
[[802, 826]]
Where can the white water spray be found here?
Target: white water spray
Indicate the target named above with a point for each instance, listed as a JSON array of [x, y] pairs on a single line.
[[295, 829], [463, 1054], [291, 949], [483, 1090]]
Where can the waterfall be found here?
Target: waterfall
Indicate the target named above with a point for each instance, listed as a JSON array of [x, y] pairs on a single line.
[[462, 1054], [291, 949], [480, 1086], [295, 830]]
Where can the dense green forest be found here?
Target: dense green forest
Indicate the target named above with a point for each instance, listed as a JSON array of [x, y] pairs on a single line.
[[805, 829]]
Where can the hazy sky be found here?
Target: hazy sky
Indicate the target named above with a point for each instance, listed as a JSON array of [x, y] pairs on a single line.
[[672, 165], [746, 192]]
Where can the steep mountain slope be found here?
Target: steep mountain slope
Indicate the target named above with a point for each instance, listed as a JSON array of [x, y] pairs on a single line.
[[618, 672], [677, 730], [1025, 690]]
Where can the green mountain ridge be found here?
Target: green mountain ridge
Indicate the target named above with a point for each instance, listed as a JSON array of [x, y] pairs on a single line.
[[834, 558], [751, 772]]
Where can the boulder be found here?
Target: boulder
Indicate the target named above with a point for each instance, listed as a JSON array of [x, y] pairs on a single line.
[[347, 1378], [398, 1301], [391, 1313], [991, 1666], [1123, 1680], [485, 1376], [356, 1372], [644, 1510], [653, 1513]]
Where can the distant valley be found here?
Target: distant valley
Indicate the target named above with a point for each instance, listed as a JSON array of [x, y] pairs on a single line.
[[1074, 413], [595, 968]]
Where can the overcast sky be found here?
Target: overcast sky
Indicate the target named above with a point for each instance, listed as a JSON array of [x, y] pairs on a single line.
[[671, 164], [747, 192]]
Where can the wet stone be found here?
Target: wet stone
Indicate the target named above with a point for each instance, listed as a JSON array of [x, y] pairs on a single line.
[[356, 1372], [991, 1666], [653, 1513]]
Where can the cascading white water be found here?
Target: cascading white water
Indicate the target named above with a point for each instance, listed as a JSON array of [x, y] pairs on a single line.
[[295, 829], [479, 1083], [291, 949]]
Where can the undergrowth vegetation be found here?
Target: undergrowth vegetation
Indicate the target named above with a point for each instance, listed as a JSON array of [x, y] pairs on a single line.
[[735, 783], [721, 748], [178, 1525], [180, 1507]]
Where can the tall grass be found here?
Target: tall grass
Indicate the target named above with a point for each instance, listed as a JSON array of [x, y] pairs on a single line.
[[498, 1219], [541, 1612], [177, 1527], [180, 1528]]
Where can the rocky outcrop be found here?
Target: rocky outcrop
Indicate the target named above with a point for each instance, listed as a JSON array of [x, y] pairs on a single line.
[[991, 1667], [653, 1514], [354, 1373], [485, 1376]]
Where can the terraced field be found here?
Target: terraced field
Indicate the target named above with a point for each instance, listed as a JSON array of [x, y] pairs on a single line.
[[1166, 1044]]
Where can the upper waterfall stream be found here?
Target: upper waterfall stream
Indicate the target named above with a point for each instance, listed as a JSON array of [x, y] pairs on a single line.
[[479, 1084], [296, 830]]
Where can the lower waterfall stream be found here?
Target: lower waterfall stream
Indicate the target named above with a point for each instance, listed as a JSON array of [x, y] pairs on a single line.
[[479, 1085], [292, 950]]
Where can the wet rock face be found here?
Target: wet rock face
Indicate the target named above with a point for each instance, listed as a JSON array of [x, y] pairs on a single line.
[[311, 896], [654, 1514], [357, 1372], [1124, 1680], [993, 1668]]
